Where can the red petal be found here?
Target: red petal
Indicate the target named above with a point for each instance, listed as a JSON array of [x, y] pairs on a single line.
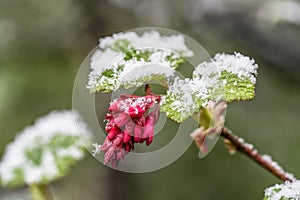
[[149, 130], [138, 133], [108, 155], [149, 140], [130, 127], [121, 120], [114, 163], [128, 147], [120, 154], [118, 141], [126, 137], [112, 133]]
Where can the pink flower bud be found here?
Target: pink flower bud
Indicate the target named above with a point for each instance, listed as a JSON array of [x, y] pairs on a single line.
[[122, 119], [108, 116], [142, 139], [118, 140], [114, 163], [127, 147], [120, 154], [136, 112], [106, 144], [130, 127], [138, 133], [149, 126], [114, 107], [109, 154], [126, 137], [149, 140], [109, 126], [155, 114], [141, 121], [113, 132], [149, 129]]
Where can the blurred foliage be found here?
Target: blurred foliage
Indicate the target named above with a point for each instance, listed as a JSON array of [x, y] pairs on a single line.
[[42, 44]]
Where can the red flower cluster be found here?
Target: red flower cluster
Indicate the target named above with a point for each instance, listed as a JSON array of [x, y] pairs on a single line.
[[129, 121]]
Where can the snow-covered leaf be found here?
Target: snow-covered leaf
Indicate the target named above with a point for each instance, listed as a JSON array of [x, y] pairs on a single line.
[[284, 191], [179, 103], [231, 76], [44, 151], [129, 52], [237, 88]]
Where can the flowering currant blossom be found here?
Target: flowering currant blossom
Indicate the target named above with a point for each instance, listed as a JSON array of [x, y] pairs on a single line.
[[129, 121]]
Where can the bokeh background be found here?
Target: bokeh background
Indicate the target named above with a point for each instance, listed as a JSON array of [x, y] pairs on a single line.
[[42, 44]]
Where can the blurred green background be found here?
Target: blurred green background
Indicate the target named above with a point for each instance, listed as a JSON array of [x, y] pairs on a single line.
[[42, 44]]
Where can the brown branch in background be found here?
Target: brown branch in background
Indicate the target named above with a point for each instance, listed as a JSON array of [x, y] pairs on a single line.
[[263, 160]]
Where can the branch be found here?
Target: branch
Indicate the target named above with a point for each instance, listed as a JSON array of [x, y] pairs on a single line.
[[263, 160]]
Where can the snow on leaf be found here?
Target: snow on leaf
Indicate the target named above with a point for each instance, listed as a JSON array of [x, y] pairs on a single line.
[[125, 51], [231, 76], [44, 151], [236, 88], [284, 191], [238, 73], [140, 72], [150, 39], [179, 103]]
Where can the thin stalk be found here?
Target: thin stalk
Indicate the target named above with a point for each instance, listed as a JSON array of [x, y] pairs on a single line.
[[40, 192], [263, 160]]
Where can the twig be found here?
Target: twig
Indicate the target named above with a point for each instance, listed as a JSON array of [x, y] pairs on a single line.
[[263, 160]]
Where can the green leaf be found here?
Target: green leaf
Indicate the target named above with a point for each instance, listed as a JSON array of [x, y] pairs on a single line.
[[121, 45], [109, 73], [18, 177], [175, 60], [138, 54], [236, 88], [35, 153], [107, 80], [62, 141], [179, 103], [64, 164]]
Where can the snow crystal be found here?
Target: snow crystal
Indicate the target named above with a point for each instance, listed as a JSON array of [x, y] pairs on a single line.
[[206, 80], [151, 39], [135, 70], [181, 94], [268, 159], [287, 190], [237, 64], [163, 50], [97, 149], [101, 59]]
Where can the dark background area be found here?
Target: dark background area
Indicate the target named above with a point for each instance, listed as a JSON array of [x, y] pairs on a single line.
[[42, 44]]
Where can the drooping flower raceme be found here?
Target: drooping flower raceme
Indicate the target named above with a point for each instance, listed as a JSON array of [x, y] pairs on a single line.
[[129, 121], [44, 151], [285, 191]]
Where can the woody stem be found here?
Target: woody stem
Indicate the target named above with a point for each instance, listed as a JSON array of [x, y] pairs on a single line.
[[252, 153]]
